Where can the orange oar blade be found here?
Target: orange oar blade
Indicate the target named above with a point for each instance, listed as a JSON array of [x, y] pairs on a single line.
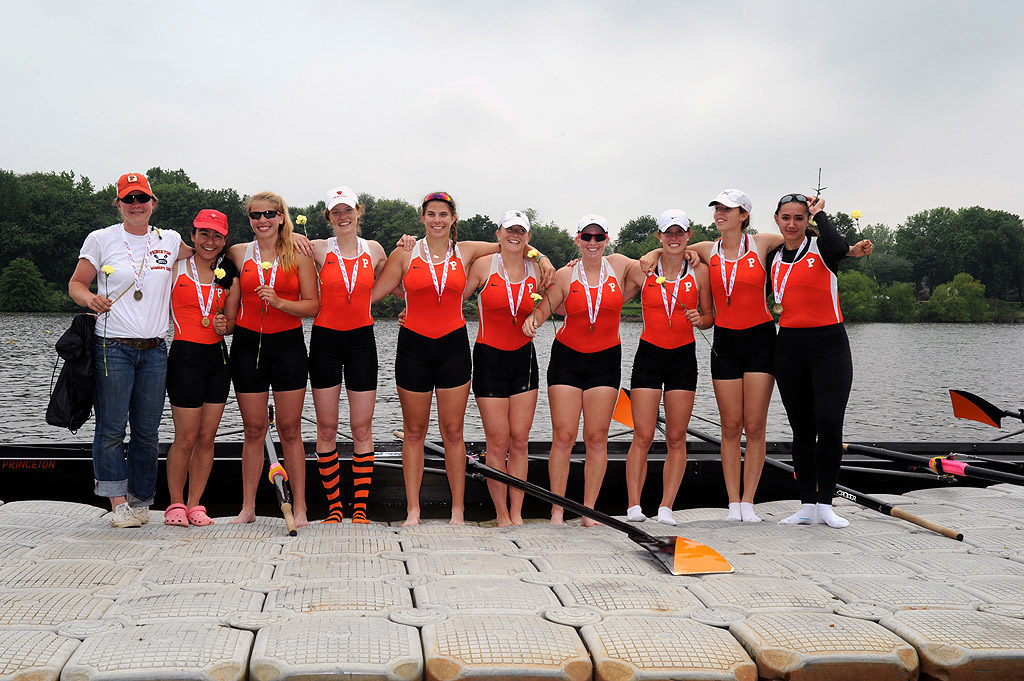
[[694, 558], [969, 406], [623, 410]]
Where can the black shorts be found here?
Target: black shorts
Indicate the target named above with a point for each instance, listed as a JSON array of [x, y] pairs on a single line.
[[282, 361], [352, 352], [423, 363], [656, 367], [197, 374], [584, 370], [740, 351], [503, 373]]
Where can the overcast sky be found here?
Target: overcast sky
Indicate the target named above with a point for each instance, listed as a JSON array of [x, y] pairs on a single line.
[[618, 108]]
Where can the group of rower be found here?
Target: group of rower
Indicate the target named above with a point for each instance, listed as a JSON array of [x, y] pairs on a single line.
[[259, 291]]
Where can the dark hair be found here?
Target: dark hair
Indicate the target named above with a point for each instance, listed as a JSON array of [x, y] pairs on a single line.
[[808, 231], [792, 198]]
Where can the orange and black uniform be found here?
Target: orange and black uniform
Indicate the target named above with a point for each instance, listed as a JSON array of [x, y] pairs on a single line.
[[813, 365], [504, 361], [744, 330], [666, 356], [433, 345], [197, 370], [268, 349], [342, 340], [584, 355]]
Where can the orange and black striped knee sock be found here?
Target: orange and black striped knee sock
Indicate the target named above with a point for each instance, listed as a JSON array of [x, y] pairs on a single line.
[[331, 479], [362, 475]]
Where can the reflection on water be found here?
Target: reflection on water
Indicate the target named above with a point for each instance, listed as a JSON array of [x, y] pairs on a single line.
[[901, 375]]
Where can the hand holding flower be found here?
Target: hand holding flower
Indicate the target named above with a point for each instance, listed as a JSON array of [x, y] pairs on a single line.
[[220, 324], [862, 248], [269, 296]]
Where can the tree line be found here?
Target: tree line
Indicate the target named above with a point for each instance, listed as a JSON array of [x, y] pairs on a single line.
[[939, 265]]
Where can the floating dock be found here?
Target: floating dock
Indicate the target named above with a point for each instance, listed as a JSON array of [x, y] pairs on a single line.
[[879, 600]]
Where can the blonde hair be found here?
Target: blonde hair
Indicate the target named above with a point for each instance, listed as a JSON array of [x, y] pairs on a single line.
[[285, 249]]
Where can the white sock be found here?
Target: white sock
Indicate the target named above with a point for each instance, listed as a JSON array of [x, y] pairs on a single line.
[[635, 515], [828, 516], [747, 513], [665, 516], [734, 512], [807, 515]]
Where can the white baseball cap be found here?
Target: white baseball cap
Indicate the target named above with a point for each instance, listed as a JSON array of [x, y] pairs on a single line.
[[733, 198], [341, 195], [591, 219], [515, 217], [673, 216]]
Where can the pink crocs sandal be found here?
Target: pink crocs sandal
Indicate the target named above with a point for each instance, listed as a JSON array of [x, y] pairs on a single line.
[[175, 515], [197, 516]]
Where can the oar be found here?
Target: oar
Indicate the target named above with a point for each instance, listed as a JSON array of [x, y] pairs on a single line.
[[856, 497], [278, 476], [679, 555], [939, 464], [969, 406]]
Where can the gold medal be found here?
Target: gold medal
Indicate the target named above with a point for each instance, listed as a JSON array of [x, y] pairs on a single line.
[[777, 309], [205, 321], [138, 295]]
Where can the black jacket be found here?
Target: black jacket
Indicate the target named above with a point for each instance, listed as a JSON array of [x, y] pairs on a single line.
[[71, 398]]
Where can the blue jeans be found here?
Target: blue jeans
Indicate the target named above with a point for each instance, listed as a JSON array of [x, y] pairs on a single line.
[[130, 388]]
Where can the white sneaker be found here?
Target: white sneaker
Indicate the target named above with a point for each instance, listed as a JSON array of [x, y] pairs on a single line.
[[635, 515], [125, 517], [140, 512]]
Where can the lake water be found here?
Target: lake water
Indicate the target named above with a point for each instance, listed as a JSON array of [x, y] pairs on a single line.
[[901, 376]]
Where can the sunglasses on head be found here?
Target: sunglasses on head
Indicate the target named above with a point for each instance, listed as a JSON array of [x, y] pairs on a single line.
[[132, 198], [257, 214], [439, 196], [599, 237], [789, 198]]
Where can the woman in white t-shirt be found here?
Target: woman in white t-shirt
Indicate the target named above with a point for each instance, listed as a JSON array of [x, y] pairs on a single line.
[[133, 264]]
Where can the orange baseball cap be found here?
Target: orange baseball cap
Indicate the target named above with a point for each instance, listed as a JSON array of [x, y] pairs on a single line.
[[130, 182], [212, 219]]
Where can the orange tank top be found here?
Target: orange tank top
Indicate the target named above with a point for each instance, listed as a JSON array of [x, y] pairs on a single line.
[[656, 302], [499, 327], [809, 291], [428, 313], [187, 307], [746, 306], [577, 331], [345, 305], [285, 283]]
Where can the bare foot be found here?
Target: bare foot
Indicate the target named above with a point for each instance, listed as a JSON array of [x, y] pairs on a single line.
[[502, 520], [557, 515], [517, 520], [300, 519], [412, 518], [458, 517], [246, 516], [588, 522]]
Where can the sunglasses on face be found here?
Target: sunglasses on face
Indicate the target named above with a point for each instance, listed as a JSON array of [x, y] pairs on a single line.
[[599, 237], [257, 214], [132, 198], [789, 198]]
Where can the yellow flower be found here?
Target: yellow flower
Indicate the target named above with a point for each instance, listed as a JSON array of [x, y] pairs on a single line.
[[300, 219], [219, 273], [265, 265], [856, 215], [108, 270], [660, 280], [536, 296], [532, 253]]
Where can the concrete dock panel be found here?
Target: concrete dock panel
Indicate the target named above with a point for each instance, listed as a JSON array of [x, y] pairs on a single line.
[[34, 655], [467, 647], [183, 652], [962, 645], [325, 646], [48, 609], [631, 647], [821, 646]]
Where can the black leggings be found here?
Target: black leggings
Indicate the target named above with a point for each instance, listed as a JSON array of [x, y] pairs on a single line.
[[814, 372]]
